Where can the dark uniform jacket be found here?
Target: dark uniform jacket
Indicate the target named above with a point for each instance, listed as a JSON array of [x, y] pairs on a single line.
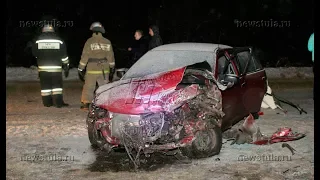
[[50, 51]]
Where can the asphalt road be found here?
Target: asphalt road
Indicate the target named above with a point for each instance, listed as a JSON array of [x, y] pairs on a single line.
[[52, 143]]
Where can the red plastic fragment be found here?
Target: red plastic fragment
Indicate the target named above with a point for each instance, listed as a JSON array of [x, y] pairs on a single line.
[[281, 135]]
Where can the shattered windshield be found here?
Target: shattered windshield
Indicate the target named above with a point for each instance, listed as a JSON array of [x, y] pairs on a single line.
[[163, 61]]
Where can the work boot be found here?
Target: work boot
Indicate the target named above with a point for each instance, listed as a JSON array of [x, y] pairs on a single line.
[[47, 101], [62, 105], [58, 101], [85, 106]]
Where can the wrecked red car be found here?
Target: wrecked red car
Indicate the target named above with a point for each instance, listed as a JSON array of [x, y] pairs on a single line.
[[178, 97]]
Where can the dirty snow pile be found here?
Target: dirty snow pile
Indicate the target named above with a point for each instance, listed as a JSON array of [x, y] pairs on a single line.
[[290, 72], [31, 74]]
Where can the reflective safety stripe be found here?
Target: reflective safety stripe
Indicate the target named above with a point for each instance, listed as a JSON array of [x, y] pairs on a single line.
[[46, 92], [112, 63], [65, 60], [97, 72], [49, 41], [50, 68], [57, 91], [83, 64]]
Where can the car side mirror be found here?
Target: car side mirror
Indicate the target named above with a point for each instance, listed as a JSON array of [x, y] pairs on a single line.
[[120, 72], [230, 79]]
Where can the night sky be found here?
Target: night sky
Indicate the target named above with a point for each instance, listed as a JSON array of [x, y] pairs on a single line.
[[179, 21]]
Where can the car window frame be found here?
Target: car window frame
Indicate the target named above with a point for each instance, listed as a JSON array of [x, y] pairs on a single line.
[[252, 59], [230, 59]]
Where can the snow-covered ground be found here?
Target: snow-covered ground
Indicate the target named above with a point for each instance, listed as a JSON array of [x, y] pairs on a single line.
[[31, 74], [36, 135]]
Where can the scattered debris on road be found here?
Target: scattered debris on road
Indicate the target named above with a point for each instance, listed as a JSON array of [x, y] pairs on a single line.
[[289, 147], [250, 133], [290, 169], [281, 135], [269, 102], [289, 103]]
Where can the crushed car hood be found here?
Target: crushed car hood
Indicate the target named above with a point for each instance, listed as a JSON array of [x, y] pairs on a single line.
[[150, 84], [152, 93]]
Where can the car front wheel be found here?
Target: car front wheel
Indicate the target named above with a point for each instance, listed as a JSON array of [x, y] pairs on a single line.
[[95, 137], [207, 143]]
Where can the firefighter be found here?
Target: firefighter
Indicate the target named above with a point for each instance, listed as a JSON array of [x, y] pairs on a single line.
[[96, 64], [51, 53]]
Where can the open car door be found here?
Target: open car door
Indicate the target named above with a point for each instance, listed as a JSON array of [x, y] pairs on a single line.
[[252, 77], [226, 72]]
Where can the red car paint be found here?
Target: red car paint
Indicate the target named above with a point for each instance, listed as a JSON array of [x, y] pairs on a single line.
[[283, 134], [243, 98], [150, 94], [159, 92]]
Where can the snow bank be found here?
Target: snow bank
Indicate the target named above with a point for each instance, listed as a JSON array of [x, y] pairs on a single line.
[[31, 74], [290, 72]]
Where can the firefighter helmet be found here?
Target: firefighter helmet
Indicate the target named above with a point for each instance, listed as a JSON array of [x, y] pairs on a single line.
[[97, 27], [47, 28]]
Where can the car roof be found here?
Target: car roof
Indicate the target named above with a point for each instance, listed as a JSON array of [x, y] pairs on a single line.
[[174, 56], [190, 46]]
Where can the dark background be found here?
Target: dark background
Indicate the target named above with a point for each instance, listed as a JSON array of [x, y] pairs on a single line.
[[179, 21]]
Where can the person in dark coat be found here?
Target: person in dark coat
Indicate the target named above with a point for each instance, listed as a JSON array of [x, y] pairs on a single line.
[[155, 40], [139, 48]]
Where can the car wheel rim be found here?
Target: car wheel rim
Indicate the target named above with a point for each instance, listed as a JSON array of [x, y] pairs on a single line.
[[97, 134], [205, 140]]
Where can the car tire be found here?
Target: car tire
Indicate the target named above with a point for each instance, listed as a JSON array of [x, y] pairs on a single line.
[[211, 139], [95, 137]]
